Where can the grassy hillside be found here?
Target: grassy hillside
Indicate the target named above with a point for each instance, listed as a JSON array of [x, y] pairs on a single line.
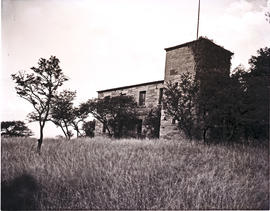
[[133, 174]]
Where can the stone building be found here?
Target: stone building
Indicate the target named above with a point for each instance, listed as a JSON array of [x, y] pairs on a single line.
[[179, 59]]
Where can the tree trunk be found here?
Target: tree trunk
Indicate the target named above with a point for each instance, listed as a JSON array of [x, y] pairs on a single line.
[[40, 140], [63, 131], [108, 129], [76, 128], [68, 134]]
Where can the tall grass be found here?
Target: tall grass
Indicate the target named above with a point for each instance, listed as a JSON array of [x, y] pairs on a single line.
[[140, 174]]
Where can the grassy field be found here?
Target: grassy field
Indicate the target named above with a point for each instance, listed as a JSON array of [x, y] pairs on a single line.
[[133, 174]]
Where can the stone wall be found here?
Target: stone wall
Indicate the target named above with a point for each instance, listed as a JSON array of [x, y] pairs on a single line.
[[178, 61], [151, 99]]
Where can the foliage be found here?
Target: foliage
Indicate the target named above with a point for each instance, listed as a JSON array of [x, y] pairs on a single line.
[[256, 95], [116, 113], [152, 122], [223, 104], [97, 108], [89, 128], [15, 128], [219, 108], [39, 89], [66, 116], [222, 107], [80, 118], [130, 174], [210, 58], [236, 106], [62, 112], [180, 103]]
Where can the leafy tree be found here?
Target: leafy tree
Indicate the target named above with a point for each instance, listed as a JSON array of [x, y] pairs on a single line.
[[220, 106], [65, 115], [80, 116], [152, 122], [180, 103], [257, 87], [15, 128], [212, 74], [236, 106], [99, 109], [122, 114], [39, 88], [209, 108], [116, 113], [89, 128], [62, 112]]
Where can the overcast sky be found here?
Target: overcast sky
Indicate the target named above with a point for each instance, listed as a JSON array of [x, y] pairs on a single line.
[[104, 44]]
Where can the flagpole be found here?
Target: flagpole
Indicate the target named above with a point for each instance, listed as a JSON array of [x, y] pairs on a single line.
[[198, 20]]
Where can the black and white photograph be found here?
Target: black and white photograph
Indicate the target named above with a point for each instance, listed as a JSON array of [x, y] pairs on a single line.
[[135, 104]]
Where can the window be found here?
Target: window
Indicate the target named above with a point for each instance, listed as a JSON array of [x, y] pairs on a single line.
[[173, 121], [142, 98], [160, 95]]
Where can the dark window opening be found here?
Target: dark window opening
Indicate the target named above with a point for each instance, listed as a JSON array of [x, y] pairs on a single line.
[[173, 121], [160, 95], [142, 98]]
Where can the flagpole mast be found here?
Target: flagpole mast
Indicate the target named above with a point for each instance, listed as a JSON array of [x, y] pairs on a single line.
[[198, 20]]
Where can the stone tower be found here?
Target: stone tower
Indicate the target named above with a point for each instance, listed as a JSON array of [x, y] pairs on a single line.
[[198, 57]]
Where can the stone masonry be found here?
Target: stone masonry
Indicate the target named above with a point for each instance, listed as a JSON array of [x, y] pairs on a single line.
[[179, 59], [152, 93]]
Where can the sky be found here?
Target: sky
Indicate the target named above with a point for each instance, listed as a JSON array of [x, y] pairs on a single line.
[[104, 44]]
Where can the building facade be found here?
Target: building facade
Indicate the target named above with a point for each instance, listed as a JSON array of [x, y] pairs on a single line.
[[196, 57]]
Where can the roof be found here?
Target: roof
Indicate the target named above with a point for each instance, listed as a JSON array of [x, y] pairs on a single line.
[[125, 87], [193, 42]]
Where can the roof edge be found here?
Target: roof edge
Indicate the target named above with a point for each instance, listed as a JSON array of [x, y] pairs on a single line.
[[192, 42], [130, 86]]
